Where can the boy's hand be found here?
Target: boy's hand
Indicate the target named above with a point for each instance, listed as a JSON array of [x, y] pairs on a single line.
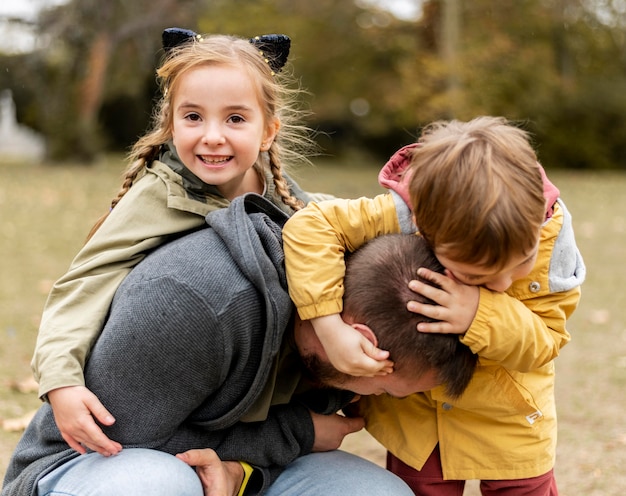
[[218, 478], [348, 350], [331, 429], [73, 407], [456, 303]]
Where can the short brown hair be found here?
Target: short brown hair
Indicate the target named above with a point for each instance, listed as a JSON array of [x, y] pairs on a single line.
[[476, 190], [376, 294]]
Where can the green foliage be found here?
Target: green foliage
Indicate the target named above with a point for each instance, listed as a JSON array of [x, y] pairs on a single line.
[[374, 80]]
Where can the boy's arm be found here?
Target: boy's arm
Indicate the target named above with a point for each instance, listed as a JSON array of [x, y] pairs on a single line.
[[521, 335], [316, 239], [525, 328]]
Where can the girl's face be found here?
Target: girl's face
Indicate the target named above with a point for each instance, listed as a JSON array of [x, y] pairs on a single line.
[[219, 127]]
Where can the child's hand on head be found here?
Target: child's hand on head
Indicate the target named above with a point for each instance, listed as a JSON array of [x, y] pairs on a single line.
[[455, 303], [348, 350], [74, 410]]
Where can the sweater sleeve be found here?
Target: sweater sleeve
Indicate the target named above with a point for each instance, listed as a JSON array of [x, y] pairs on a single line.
[[78, 303], [285, 435], [525, 328], [316, 239]]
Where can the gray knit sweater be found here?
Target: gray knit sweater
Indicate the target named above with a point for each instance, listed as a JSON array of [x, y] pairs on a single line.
[[192, 338]]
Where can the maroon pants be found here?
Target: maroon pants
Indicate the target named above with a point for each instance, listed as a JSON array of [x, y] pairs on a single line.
[[429, 481]]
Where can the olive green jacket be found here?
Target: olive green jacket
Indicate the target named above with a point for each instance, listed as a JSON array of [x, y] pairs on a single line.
[[164, 203]]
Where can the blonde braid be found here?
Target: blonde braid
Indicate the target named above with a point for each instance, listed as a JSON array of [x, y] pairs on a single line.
[[282, 187], [144, 155]]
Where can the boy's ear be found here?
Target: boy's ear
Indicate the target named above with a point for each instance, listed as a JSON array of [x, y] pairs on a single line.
[[367, 332]]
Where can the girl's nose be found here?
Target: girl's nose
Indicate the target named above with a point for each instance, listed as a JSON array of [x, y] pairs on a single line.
[[213, 136]]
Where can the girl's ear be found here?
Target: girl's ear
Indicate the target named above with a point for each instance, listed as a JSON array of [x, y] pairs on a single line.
[[270, 134], [367, 332]]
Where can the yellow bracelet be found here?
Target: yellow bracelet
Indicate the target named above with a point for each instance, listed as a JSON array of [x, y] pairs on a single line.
[[247, 473]]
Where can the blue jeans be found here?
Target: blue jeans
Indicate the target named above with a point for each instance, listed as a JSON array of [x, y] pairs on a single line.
[[148, 472]]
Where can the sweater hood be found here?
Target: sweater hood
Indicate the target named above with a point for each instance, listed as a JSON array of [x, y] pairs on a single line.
[[251, 230], [396, 176]]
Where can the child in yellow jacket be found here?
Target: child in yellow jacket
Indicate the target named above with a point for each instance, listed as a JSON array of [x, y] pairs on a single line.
[[477, 194]]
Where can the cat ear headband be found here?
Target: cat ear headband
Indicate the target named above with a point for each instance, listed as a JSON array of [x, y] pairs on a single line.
[[274, 48]]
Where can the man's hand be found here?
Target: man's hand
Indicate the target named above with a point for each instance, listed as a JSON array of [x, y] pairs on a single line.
[[74, 410], [218, 478], [456, 303], [348, 350], [331, 429]]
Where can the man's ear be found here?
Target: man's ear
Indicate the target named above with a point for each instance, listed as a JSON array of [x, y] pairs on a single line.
[[367, 332]]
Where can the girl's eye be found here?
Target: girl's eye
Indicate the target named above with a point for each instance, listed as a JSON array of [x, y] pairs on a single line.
[[192, 117], [236, 119]]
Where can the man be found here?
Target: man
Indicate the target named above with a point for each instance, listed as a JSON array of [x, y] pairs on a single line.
[[202, 349]]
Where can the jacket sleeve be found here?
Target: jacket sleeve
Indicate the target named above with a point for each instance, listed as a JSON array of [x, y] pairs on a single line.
[[79, 301], [524, 328], [317, 237]]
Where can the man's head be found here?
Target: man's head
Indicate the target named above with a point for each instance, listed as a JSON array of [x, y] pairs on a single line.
[[376, 294], [477, 193]]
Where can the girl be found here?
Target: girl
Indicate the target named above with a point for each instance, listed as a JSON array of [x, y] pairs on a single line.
[[222, 128]]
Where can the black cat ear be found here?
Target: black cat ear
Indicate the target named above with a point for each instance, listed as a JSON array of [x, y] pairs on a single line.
[[274, 49], [173, 37]]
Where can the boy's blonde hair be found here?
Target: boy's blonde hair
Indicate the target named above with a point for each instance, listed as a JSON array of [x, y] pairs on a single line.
[[277, 96], [477, 191]]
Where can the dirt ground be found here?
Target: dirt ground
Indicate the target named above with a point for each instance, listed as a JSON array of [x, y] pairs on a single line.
[[59, 204]]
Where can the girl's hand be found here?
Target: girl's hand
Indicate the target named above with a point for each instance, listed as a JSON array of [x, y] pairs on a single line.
[[348, 350], [74, 409], [331, 429], [456, 303], [218, 478]]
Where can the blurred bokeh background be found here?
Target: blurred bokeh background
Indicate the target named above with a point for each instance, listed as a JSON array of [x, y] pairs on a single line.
[[81, 72]]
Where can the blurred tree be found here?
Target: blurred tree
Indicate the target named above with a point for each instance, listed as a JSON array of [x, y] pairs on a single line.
[[348, 55], [557, 66], [98, 52]]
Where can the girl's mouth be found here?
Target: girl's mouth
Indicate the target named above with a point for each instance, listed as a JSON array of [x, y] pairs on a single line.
[[214, 161]]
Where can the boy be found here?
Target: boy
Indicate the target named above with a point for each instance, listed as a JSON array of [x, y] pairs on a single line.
[[477, 194]]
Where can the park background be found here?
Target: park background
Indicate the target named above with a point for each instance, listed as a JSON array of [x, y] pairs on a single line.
[[85, 84]]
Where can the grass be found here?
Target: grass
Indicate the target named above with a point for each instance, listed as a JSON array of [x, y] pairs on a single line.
[[47, 211]]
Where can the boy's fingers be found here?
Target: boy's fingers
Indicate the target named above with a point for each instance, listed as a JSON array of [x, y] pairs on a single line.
[[374, 352], [433, 311]]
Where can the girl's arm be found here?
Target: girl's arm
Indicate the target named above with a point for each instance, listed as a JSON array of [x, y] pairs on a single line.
[[79, 301]]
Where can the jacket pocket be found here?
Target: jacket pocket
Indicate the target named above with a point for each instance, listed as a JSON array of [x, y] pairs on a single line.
[[494, 392]]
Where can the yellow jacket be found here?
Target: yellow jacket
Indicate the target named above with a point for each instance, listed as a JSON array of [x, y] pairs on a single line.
[[504, 425]]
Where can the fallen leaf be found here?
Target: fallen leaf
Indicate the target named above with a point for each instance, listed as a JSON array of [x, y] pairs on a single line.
[[26, 385], [18, 424]]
